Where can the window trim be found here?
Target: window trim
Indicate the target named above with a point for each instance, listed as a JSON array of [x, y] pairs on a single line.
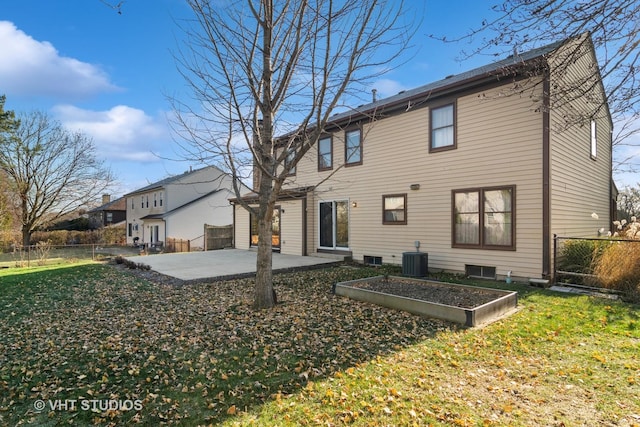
[[481, 238], [330, 167], [453, 146], [384, 221], [346, 147]]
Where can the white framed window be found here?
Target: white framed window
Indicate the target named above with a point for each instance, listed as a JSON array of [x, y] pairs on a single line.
[[442, 128]]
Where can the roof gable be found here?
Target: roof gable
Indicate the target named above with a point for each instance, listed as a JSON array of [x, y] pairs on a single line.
[[171, 180]]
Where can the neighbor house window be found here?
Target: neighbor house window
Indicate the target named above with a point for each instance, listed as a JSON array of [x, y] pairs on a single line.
[[142, 201], [325, 154], [109, 216], [594, 139], [147, 204], [442, 128], [132, 206], [155, 200], [484, 218], [161, 194], [394, 209], [130, 229], [353, 147], [288, 161]]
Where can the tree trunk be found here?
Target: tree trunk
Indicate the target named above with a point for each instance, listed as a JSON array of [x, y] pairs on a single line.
[[26, 236], [264, 294]]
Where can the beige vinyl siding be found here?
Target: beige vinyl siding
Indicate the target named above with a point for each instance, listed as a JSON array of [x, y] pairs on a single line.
[[291, 227], [242, 227], [291, 236], [499, 143], [580, 185]]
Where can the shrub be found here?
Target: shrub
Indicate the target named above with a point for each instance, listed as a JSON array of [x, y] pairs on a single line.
[[579, 255], [618, 268]]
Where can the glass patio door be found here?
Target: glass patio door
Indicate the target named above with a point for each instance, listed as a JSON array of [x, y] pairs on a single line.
[[334, 224]]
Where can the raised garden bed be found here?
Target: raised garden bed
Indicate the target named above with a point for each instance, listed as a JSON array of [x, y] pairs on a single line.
[[468, 305]]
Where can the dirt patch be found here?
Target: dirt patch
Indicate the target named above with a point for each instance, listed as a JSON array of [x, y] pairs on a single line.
[[440, 293]]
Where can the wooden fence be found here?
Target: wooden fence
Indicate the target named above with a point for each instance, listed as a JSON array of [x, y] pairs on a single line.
[[177, 245], [218, 237]]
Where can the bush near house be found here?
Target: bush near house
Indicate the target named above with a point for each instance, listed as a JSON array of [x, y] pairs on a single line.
[[580, 255], [618, 266], [612, 263]]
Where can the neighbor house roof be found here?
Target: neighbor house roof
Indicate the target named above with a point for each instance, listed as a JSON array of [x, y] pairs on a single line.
[[169, 180], [172, 211], [116, 205]]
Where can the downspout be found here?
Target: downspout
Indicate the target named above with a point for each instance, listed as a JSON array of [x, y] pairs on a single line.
[[546, 178]]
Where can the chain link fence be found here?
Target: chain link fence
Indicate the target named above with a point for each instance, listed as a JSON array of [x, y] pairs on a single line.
[[44, 253], [599, 263]]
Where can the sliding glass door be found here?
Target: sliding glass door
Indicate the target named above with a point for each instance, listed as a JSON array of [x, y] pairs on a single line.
[[334, 224]]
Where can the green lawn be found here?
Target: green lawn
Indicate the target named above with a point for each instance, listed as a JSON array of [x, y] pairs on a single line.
[[95, 337]]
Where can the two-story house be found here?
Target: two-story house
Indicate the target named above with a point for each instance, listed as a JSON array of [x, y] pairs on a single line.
[[481, 168], [110, 212], [179, 206]]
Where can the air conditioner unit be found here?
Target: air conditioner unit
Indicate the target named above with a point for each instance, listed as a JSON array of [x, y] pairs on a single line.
[[415, 264]]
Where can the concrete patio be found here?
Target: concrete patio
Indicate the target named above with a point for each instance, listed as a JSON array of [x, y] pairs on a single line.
[[223, 263]]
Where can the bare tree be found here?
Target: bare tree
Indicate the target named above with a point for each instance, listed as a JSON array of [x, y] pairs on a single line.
[[519, 25], [262, 68], [52, 171], [629, 203]]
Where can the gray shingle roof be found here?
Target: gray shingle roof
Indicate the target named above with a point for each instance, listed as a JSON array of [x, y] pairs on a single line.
[[449, 82], [166, 181]]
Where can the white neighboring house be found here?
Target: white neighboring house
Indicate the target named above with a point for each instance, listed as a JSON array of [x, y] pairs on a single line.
[[179, 206]]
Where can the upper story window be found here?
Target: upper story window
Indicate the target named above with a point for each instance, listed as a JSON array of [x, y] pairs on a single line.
[[353, 147], [594, 139], [484, 218], [142, 201], [288, 161], [394, 209], [161, 195], [132, 206], [155, 200], [325, 153], [147, 201], [442, 128]]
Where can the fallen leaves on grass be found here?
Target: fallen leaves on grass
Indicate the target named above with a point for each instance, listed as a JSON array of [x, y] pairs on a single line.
[[190, 354]]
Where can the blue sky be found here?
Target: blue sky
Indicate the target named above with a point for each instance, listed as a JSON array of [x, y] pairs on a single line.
[[109, 75]]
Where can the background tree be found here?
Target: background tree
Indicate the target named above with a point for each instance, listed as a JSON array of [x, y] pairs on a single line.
[[629, 203], [613, 24], [262, 68], [52, 171]]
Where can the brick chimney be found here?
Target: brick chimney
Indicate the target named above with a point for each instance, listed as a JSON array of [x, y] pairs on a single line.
[[106, 198]]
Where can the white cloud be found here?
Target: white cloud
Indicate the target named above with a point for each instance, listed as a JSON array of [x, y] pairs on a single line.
[[29, 67], [123, 132]]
